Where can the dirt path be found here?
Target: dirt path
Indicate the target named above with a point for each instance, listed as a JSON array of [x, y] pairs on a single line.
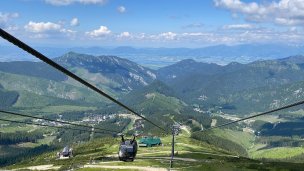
[[213, 154], [213, 122], [175, 158], [41, 167], [127, 167], [130, 125], [188, 145], [195, 152], [183, 151], [186, 129]]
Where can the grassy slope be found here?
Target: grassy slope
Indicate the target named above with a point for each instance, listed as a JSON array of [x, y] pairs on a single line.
[[187, 148], [192, 155], [96, 79], [160, 101], [278, 152], [58, 109], [28, 99], [45, 87], [37, 95], [256, 151], [243, 138], [15, 128], [45, 140]]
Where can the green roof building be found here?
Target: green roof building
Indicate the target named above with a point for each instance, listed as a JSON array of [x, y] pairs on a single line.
[[149, 141]]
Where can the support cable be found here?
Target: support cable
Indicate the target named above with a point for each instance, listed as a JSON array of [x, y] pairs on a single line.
[[63, 127], [52, 120], [260, 114], [27, 48]]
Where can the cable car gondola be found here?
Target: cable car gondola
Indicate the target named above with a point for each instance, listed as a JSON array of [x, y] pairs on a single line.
[[67, 152], [127, 149]]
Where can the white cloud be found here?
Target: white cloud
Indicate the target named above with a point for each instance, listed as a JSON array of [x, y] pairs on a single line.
[[71, 34], [293, 29], [41, 27], [291, 35], [238, 26], [12, 28], [289, 21], [124, 35], [74, 22], [68, 31], [121, 9], [91, 1], [168, 35], [282, 12], [229, 36], [101, 32], [69, 2], [6, 17], [48, 30], [238, 6], [59, 2], [195, 34]]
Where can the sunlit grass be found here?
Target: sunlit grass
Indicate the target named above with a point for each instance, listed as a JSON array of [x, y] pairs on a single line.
[[278, 152]]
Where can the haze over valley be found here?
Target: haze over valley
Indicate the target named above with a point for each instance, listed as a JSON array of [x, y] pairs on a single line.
[[188, 85]]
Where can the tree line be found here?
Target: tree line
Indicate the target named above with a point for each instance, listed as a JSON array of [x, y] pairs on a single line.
[[19, 137]]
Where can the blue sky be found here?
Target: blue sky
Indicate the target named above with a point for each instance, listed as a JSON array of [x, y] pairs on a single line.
[[153, 23]]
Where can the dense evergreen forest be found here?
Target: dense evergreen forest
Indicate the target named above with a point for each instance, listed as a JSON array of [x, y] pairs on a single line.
[[283, 129], [19, 137], [21, 154], [7, 98]]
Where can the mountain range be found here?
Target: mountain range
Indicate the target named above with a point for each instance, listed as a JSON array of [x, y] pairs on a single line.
[[237, 88], [160, 57], [233, 88]]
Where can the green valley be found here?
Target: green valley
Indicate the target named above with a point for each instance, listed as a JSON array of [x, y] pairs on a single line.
[[192, 98]]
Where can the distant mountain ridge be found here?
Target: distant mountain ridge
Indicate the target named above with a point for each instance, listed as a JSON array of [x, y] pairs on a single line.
[[160, 57], [193, 93], [36, 81], [233, 88], [35, 69], [125, 72], [225, 85]]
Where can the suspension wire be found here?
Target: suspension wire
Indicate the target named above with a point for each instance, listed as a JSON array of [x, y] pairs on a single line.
[[60, 127], [52, 120], [260, 114], [27, 48]]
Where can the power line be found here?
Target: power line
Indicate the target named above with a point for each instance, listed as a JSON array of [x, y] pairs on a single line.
[[253, 116], [40, 56], [14, 121], [52, 120]]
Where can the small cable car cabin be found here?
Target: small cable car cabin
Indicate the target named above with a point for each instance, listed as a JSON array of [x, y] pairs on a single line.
[[127, 149]]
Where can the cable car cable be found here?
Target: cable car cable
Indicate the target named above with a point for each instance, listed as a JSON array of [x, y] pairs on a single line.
[[27, 48], [260, 114], [52, 120]]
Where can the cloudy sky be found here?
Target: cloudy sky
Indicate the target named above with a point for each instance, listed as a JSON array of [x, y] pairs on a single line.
[[153, 23]]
